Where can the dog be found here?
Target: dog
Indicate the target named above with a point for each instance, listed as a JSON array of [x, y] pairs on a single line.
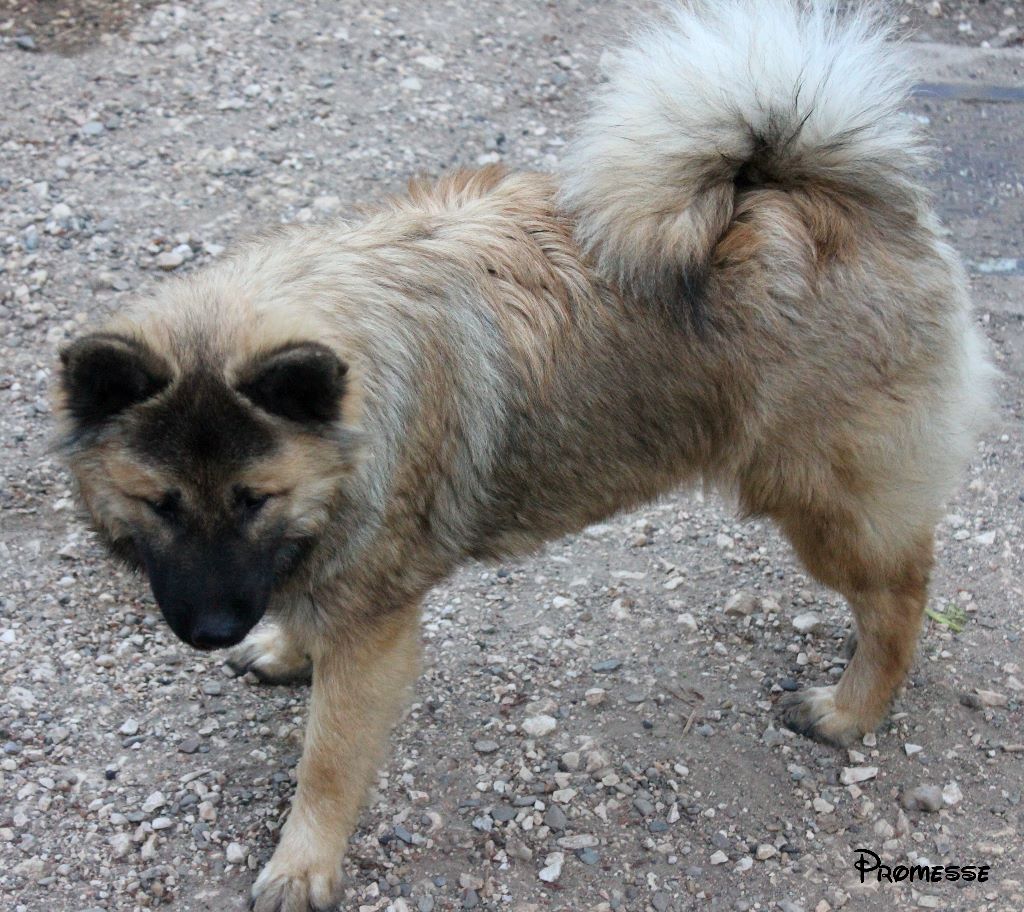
[[735, 278]]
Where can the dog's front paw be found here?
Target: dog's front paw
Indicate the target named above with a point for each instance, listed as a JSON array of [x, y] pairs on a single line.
[[270, 655], [297, 884], [813, 712]]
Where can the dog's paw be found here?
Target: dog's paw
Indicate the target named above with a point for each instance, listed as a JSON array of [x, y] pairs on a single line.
[[813, 712], [296, 885], [270, 656]]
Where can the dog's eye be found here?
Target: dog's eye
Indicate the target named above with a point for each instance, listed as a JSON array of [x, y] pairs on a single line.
[[251, 501], [167, 507]]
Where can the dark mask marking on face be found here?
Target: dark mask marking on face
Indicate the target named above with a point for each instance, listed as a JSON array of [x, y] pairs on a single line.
[[201, 424]]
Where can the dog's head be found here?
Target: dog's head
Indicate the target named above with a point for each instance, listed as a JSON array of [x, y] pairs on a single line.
[[214, 474]]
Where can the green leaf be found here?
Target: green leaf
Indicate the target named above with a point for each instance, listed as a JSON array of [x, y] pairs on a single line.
[[954, 617]]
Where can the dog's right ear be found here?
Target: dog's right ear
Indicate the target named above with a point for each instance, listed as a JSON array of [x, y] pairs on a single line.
[[103, 374]]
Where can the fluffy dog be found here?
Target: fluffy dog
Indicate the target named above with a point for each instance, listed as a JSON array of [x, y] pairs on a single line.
[[735, 278]]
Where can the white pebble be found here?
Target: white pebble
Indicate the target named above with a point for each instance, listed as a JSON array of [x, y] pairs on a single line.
[[539, 726], [853, 774], [552, 869], [807, 622]]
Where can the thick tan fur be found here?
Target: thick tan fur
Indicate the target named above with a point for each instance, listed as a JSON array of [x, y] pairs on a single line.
[[505, 388], [506, 395]]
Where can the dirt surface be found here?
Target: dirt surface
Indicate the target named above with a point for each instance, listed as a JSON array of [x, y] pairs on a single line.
[[135, 773]]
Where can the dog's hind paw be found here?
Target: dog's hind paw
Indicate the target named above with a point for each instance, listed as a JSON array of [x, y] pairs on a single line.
[[300, 892], [304, 874], [272, 657], [813, 712]]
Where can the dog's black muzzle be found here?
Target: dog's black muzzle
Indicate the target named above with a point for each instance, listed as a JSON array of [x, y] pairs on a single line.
[[211, 593]]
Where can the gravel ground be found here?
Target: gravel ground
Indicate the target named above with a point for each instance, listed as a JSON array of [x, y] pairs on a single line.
[[594, 728]]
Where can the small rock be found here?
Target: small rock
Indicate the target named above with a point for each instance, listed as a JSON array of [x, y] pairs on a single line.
[[120, 845], [606, 666], [588, 857], [719, 858], [643, 807], [555, 819], [854, 774], [155, 801], [884, 830], [570, 761], [235, 853], [991, 698], [807, 622], [741, 604], [431, 62], [129, 727], [189, 746], [687, 621], [403, 835], [595, 696], [539, 726], [952, 795], [552, 869], [821, 806], [148, 850], [517, 849], [169, 260], [923, 798], [765, 851], [485, 747]]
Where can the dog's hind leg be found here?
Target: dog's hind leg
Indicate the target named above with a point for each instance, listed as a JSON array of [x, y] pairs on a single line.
[[273, 656], [887, 595]]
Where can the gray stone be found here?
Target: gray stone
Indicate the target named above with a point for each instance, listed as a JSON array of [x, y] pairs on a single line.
[[555, 819], [606, 666], [923, 798], [485, 747]]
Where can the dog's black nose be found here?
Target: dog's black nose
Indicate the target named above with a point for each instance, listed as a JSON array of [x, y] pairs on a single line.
[[213, 632]]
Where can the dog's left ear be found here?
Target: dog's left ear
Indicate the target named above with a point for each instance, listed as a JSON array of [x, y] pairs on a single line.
[[303, 382]]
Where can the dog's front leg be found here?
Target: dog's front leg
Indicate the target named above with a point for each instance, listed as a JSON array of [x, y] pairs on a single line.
[[360, 679]]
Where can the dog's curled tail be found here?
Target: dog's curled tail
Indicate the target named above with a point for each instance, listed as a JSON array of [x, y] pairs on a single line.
[[725, 97]]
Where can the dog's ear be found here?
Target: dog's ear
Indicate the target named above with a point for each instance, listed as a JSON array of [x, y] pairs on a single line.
[[104, 374], [303, 382]]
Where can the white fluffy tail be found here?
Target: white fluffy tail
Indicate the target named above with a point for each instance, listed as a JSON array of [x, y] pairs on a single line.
[[731, 95]]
